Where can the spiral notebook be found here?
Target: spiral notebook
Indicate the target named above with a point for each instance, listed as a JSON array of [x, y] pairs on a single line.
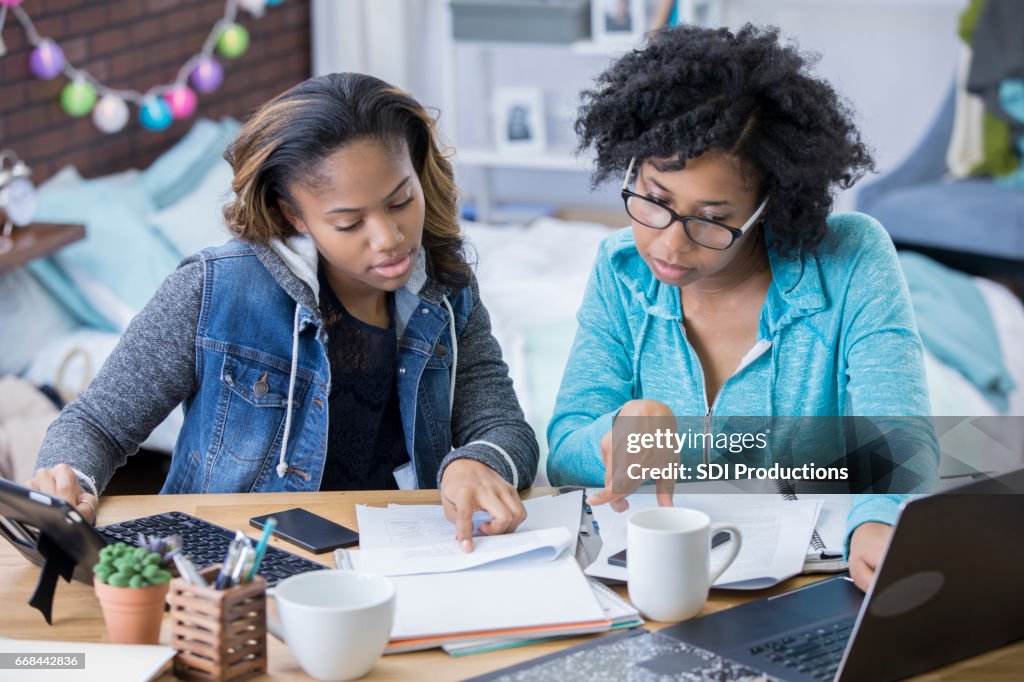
[[825, 552]]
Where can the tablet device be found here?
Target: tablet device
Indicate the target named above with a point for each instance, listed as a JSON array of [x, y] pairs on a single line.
[[26, 514], [50, 533], [308, 530]]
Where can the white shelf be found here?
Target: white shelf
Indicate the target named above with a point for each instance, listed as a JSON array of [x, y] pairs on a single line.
[[606, 48], [565, 161]]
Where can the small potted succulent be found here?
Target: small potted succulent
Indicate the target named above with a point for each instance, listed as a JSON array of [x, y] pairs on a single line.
[[131, 584]]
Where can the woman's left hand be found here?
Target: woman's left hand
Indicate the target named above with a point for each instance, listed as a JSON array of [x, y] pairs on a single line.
[[866, 549], [468, 486]]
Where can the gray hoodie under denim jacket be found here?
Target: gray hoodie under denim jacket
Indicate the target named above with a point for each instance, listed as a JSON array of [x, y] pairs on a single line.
[[235, 335]]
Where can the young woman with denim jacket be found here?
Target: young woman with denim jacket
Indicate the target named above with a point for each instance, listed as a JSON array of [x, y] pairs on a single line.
[[339, 342], [735, 293]]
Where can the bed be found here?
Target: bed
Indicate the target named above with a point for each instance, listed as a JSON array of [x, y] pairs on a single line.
[[62, 315]]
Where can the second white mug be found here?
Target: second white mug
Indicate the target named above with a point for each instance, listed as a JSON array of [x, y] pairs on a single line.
[[336, 623], [669, 564]]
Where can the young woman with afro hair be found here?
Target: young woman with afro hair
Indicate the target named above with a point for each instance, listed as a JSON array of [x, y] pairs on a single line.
[[736, 292]]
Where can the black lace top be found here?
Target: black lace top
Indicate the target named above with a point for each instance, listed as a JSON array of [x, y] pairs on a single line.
[[365, 441]]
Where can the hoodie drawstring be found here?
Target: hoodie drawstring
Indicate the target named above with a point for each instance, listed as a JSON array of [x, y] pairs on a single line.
[[282, 465], [455, 353]]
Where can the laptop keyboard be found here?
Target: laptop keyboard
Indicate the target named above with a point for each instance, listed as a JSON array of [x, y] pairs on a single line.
[[815, 653], [206, 543]]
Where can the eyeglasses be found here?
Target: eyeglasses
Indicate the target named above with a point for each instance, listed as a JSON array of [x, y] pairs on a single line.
[[708, 233]]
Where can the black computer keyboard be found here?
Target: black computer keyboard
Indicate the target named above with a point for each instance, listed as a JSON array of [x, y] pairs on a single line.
[[206, 543], [816, 653]]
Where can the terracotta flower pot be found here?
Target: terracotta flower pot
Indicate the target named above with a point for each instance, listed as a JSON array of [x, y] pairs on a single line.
[[133, 614]]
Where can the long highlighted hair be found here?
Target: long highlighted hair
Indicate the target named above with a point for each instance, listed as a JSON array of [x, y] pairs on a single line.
[[287, 138]]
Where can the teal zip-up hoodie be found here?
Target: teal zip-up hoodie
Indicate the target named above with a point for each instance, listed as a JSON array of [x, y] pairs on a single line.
[[837, 337]]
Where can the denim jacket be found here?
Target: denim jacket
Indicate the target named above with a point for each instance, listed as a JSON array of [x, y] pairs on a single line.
[[235, 335]]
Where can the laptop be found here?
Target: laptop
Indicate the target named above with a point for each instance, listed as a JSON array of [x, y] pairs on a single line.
[[950, 587]]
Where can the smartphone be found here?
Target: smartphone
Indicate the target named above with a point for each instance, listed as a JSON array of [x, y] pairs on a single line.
[[308, 530], [619, 558]]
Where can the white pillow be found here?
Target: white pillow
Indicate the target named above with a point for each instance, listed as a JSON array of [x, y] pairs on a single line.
[[29, 316], [196, 221]]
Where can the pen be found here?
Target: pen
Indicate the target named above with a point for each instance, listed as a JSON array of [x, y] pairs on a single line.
[[261, 546], [187, 570], [343, 560], [238, 570], [224, 577]]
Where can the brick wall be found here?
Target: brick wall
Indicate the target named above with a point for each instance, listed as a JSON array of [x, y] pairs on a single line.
[[136, 44]]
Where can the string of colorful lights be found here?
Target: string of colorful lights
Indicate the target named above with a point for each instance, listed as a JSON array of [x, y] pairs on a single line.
[[158, 106]]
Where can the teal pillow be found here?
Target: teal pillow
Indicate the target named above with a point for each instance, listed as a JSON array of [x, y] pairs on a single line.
[[120, 252], [180, 169]]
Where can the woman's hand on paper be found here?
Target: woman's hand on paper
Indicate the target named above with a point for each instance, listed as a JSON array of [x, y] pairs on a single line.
[[468, 486], [867, 545], [60, 481], [618, 484]]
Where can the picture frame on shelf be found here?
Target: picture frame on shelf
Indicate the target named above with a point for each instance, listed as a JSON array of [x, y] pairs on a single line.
[[706, 13], [519, 121], [618, 21]]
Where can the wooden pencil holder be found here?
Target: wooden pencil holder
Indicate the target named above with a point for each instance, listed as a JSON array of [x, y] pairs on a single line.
[[219, 634]]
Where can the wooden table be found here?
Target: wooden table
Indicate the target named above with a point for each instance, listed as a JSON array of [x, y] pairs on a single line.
[[77, 617], [37, 240]]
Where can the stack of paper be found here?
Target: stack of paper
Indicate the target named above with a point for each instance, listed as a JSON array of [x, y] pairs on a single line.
[[513, 587], [617, 610], [776, 534]]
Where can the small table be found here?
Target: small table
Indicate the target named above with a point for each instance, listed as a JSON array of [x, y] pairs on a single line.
[[38, 240]]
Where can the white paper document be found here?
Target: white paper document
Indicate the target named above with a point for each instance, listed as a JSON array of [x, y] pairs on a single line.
[[418, 524], [776, 534], [446, 556]]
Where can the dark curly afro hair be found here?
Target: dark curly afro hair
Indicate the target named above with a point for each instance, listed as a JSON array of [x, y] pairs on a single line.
[[690, 89]]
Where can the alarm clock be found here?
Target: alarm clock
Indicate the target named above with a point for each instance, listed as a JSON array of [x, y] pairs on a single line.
[[17, 193]]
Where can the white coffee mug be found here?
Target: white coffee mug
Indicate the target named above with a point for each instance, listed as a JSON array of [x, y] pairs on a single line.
[[669, 561], [336, 623]]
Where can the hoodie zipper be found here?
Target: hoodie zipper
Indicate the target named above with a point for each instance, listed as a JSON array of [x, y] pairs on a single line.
[[708, 411], [704, 392]]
